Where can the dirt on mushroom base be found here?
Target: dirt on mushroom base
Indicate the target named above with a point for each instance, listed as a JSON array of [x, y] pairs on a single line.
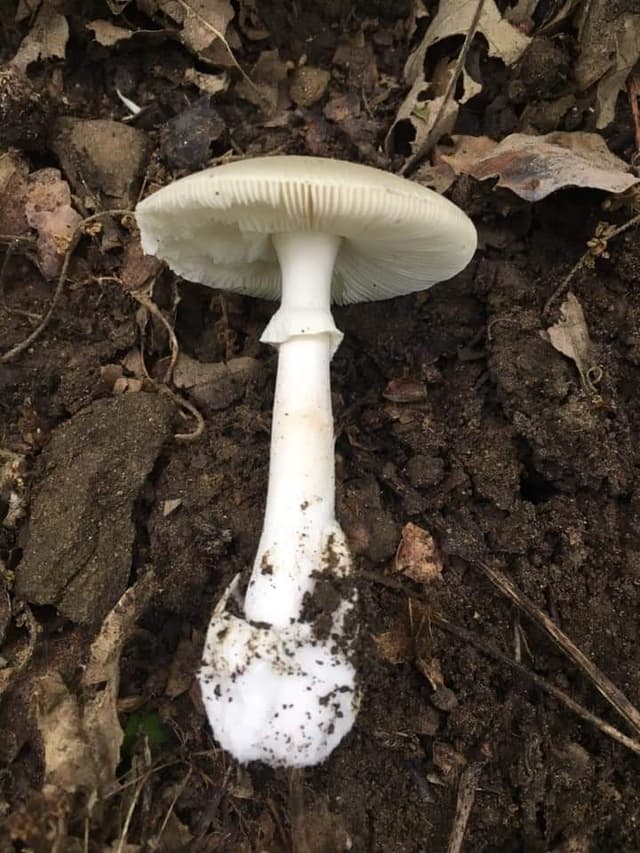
[[506, 455]]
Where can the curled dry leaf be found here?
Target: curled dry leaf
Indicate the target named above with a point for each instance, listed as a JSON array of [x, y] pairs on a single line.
[[609, 50], [418, 556], [47, 39], [108, 34], [533, 167], [423, 106], [209, 84], [570, 336], [204, 24], [82, 735], [48, 210]]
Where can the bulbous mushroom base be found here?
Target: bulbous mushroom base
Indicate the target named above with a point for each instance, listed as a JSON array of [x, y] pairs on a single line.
[[281, 696]]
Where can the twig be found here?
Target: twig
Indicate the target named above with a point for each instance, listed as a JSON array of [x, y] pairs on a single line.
[[474, 640], [466, 796], [604, 685], [75, 237], [486, 648], [579, 264], [413, 161]]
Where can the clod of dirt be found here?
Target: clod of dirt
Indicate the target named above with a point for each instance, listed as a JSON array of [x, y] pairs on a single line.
[[308, 85], [186, 140], [23, 111], [107, 157], [369, 527], [81, 532]]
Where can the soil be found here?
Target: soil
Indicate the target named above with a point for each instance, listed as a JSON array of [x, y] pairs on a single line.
[[505, 458]]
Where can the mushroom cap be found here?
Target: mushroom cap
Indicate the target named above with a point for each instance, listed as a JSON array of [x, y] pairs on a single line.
[[214, 227]]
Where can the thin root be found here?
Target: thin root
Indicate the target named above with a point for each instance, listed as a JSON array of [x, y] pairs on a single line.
[[30, 339]]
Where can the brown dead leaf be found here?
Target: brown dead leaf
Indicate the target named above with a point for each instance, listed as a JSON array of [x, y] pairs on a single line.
[[47, 39], [422, 108], [48, 210], [210, 84], [533, 167], [570, 336], [609, 49], [81, 735], [108, 34], [204, 23], [418, 556], [265, 90]]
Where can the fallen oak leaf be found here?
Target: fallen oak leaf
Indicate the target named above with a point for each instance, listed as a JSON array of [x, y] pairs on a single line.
[[570, 337], [108, 34], [533, 167], [609, 50], [428, 107], [47, 39], [82, 736]]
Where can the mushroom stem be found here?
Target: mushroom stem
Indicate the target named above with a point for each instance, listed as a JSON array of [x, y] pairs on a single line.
[[299, 525]]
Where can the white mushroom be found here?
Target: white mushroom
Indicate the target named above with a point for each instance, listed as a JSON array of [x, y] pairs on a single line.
[[278, 680]]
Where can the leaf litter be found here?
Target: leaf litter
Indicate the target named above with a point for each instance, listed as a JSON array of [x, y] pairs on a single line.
[[298, 97]]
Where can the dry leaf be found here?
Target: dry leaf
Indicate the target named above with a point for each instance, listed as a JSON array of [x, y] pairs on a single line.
[[82, 739], [210, 84], [108, 34], [609, 49], [48, 210], [47, 39], [266, 75], [422, 106], [570, 336], [203, 22], [418, 556], [535, 166]]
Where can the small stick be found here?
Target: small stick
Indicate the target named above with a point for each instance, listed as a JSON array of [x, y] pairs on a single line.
[[26, 343], [474, 640], [466, 796], [604, 685]]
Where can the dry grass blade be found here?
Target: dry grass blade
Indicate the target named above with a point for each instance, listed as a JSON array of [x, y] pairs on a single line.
[[605, 687], [466, 796], [26, 343]]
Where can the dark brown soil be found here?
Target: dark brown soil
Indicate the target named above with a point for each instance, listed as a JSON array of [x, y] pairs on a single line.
[[508, 460]]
